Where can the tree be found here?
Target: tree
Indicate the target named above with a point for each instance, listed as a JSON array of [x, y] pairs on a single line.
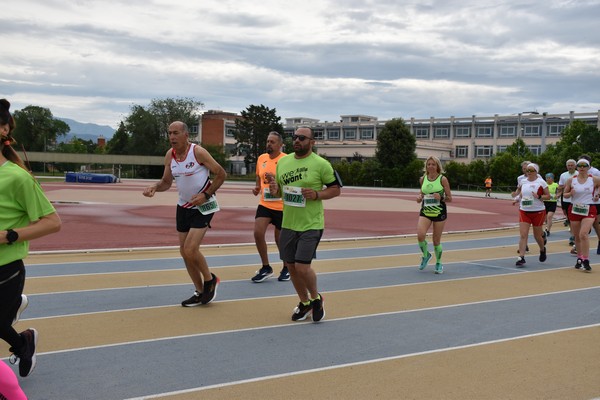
[[395, 145], [168, 110], [36, 128], [252, 130], [119, 143], [519, 150]]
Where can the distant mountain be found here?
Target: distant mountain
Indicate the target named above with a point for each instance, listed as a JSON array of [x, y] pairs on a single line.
[[86, 131]]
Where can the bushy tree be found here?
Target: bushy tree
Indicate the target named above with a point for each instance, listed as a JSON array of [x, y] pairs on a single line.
[[252, 130], [36, 128], [119, 143], [395, 145]]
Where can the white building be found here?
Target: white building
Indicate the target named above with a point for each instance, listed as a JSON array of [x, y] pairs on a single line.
[[461, 139]]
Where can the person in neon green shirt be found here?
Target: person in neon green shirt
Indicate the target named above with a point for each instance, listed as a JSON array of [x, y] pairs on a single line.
[[550, 204], [26, 214], [299, 180]]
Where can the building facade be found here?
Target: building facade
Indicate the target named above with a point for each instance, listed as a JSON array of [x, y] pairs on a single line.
[[461, 139]]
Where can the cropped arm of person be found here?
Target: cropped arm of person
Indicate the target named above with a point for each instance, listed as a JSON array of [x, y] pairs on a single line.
[[165, 182], [46, 225]]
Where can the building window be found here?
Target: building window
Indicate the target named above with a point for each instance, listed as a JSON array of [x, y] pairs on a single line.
[[462, 151], [501, 149], [536, 150], [441, 133], [350, 133], [194, 129], [353, 119], [531, 130], [484, 131], [422, 133], [462, 132], [230, 132], [508, 131], [333, 134], [483, 151], [555, 129], [366, 133], [319, 134]]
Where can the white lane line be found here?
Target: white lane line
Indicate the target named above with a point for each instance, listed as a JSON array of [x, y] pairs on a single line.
[[291, 324], [358, 363]]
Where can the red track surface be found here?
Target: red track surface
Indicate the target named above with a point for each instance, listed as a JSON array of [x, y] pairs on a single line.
[[108, 225]]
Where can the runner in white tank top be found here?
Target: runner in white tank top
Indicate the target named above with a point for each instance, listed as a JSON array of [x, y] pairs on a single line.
[[583, 189], [191, 165]]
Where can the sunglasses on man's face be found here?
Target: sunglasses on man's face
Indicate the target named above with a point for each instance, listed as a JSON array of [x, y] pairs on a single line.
[[582, 165], [531, 170], [301, 138]]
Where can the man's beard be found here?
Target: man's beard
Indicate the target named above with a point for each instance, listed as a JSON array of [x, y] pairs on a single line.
[[301, 152]]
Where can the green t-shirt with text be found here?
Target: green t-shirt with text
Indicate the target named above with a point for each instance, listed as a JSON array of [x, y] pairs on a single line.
[[313, 171]]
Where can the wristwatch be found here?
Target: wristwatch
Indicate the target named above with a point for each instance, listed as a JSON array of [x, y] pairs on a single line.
[[208, 196], [11, 236]]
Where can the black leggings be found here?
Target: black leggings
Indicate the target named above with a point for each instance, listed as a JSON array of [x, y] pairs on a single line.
[[12, 281]]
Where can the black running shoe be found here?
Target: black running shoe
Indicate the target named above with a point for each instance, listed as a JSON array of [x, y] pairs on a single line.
[[284, 275], [586, 266], [543, 255], [520, 262], [210, 289], [262, 274], [301, 312], [193, 301], [25, 357], [318, 309], [579, 263], [22, 307], [527, 248]]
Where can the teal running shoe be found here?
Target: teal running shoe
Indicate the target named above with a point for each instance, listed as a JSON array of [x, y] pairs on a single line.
[[424, 261], [439, 268]]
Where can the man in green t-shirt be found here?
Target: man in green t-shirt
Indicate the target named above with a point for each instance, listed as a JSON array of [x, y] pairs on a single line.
[[300, 179]]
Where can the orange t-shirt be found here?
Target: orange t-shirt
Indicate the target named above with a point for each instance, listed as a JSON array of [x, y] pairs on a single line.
[[488, 183], [266, 164]]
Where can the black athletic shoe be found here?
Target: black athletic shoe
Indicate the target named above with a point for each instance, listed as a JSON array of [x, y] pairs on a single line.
[[301, 312], [210, 289], [520, 262], [543, 255], [586, 266], [527, 249], [318, 309], [284, 275], [25, 357], [22, 307], [193, 301], [579, 263], [262, 274]]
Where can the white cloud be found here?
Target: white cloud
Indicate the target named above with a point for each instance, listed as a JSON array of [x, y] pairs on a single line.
[[91, 60]]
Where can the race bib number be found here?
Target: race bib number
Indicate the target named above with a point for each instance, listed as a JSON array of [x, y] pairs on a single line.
[[267, 196], [526, 202], [292, 196], [581, 209], [210, 207], [430, 200]]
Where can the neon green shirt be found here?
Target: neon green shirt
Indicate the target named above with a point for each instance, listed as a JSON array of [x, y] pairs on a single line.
[[552, 189], [293, 174], [22, 201]]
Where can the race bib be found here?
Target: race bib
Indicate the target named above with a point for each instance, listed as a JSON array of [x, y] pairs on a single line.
[[292, 196], [267, 196], [526, 202], [580, 209], [430, 200], [210, 207]]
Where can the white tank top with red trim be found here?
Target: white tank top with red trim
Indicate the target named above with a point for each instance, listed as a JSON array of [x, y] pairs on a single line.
[[191, 176], [583, 193]]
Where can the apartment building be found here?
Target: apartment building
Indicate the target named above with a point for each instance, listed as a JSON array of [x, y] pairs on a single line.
[[462, 139]]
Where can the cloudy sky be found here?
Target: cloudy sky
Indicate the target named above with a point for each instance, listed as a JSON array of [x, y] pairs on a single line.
[[92, 60]]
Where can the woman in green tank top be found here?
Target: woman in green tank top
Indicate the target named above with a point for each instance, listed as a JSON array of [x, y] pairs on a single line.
[[434, 194]]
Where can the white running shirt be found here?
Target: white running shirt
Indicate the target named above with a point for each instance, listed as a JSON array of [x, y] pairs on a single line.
[[191, 176]]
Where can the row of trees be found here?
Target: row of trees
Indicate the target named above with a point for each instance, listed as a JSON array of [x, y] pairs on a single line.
[[144, 132]]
